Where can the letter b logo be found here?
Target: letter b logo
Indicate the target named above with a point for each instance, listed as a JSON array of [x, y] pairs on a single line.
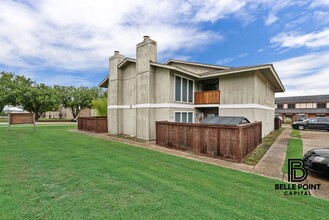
[[296, 170]]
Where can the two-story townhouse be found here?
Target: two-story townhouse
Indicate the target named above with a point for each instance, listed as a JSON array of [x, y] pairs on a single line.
[[302, 107], [142, 91]]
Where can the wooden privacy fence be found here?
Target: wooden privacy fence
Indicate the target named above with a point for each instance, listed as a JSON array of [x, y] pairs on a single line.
[[21, 118], [233, 142], [96, 124]]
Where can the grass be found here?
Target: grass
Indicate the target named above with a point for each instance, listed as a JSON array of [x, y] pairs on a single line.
[[260, 151], [3, 119], [56, 174], [54, 119], [294, 149], [42, 120], [295, 133]]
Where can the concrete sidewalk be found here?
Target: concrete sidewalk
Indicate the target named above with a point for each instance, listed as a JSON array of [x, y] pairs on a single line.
[[272, 162]]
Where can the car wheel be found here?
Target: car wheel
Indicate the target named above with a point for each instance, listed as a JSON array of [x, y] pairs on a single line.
[[301, 127]]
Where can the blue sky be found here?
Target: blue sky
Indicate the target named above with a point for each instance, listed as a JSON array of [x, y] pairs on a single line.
[[69, 42]]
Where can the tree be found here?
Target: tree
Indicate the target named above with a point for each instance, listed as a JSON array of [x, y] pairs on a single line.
[[10, 88], [39, 98], [100, 105], [77, 98]]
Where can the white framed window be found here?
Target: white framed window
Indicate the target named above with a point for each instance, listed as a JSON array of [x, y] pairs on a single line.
[[184, 89], [185, 117]]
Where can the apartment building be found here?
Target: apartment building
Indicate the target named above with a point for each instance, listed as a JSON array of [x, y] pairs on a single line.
[[302, 107], [142, 91]]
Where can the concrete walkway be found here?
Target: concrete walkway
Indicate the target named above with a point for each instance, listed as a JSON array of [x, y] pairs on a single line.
[[272, 162]]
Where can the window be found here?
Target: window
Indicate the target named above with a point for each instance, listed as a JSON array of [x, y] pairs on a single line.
[[291, 105], [312, 120], [190, 91], [183, 89], [322, 105], [178, 89], [184, 117], [322, 120], [209, 85], [280, 106]]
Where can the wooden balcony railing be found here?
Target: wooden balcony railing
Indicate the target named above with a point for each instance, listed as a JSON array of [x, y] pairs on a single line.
[[207, 97]]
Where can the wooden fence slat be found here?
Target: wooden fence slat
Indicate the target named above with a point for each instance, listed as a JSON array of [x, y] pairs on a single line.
[[229, 141], [93, 124]]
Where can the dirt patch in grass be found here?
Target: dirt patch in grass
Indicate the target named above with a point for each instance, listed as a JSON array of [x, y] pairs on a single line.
[[260, 151], [127, 137]]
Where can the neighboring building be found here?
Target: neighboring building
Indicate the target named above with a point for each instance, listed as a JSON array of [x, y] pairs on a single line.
[[302, 107], [142, 91], [8, 108], [65, 113]]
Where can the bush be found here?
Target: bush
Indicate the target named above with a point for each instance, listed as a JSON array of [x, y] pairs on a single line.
[[287, 121], [101, 106]]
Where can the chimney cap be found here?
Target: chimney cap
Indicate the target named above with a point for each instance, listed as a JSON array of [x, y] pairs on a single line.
[[116, 52], [146, 37]]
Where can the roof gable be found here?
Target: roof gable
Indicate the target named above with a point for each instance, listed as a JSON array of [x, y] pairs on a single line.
[[181, 63]]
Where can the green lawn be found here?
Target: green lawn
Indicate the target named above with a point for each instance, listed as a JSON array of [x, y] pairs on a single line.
[[295, 133], [56, 174], [294, 150]]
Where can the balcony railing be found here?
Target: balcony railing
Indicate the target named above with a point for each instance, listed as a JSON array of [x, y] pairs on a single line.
[[207, 97]]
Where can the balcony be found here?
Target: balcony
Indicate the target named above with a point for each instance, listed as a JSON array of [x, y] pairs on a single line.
[[207, 97]]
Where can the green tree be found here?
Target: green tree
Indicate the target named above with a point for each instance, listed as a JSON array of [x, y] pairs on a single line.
[[77, 98], [100, 105], [11, 86], [38, 98]]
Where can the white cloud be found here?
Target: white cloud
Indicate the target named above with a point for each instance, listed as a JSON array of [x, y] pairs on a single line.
[[319, 3], [295, 40], [80, 35], [212, 10], [271, 19], [274, 7], [224, 61], [67, 80], [241, 55], [305, 75]]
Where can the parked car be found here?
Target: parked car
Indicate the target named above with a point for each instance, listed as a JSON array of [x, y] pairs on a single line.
[[317, 160], [312, 123]]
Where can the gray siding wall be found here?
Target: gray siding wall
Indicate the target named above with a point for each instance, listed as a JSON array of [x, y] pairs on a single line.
[[129, 84], [264, 94], [162, 89], [237, 88], [248, 88]]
